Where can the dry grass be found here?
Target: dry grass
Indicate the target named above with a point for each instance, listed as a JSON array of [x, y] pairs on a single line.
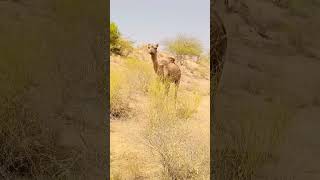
[[118, 93], [250, 142], [168, 136], [27, 148], [188, 105], [139, 74], [134, 78], [130, 166]]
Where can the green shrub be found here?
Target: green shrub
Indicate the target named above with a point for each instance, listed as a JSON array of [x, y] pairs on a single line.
[[114, 34], [114, 37], [184, 46]]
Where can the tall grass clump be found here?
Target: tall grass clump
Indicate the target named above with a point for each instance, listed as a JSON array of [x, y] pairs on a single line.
[[249, 143], [188, 105], [139, 74], [169, 138], [118, 93]]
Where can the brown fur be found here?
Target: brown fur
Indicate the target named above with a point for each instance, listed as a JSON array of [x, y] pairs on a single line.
[[165, 68]]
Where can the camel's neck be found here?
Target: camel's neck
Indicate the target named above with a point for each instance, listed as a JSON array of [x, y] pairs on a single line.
[[155, 62]]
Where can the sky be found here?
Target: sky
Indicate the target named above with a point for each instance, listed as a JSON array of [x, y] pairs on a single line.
[[153, 21]]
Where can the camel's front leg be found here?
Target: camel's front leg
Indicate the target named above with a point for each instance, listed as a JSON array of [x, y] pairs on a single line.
[[166, 80], [176, 91]]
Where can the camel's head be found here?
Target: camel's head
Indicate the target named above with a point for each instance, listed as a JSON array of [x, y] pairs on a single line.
[[152, 48]]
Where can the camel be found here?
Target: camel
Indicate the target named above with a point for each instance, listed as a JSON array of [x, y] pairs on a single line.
[[165, 68]]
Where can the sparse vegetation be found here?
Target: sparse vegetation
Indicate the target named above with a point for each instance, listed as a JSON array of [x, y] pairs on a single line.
[[204, 59], [169, 138], [118, 93], [123, 83], [131, 169], [204, 66], [246, 144], [139, 74], [27, 148], [188, 105]]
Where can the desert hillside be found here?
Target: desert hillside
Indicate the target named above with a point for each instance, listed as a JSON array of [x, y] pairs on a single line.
[[151, 138], [268, 104]]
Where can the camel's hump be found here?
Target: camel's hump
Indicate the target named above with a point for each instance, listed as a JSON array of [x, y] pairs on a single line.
[[163, 62], [171, 59], [167, 60]]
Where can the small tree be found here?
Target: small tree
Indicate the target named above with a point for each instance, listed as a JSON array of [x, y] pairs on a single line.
[[119, 45], [184, 46], [114, 37]]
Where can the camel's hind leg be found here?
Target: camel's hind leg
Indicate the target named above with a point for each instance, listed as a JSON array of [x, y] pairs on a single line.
[[166, 85]]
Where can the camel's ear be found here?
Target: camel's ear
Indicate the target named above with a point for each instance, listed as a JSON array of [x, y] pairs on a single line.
[[157, 45]]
